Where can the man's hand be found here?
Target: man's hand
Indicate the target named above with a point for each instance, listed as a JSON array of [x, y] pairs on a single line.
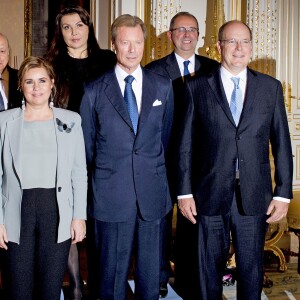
[[277, 210], [188, 208], [78, 231], [3, 237]]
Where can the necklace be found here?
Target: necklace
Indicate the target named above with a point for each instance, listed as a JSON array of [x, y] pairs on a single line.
[[71, 55]]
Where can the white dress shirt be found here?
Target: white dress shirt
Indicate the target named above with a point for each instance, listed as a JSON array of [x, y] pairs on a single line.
[[137, 83], [191, 65], [228, 87]]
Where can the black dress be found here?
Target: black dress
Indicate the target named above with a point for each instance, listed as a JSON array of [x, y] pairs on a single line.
[[73, 73]]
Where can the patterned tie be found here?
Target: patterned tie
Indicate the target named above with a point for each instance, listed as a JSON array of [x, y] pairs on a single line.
[[186, 68], [236, 102], [130, 100], [2, 107]]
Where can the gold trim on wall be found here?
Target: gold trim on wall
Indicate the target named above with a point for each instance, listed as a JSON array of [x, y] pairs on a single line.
[[93, 12], [140, 9], [27, 27], [148, 41]]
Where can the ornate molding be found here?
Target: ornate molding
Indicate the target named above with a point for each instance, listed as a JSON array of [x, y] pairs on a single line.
[[27, 27], [218, 20]]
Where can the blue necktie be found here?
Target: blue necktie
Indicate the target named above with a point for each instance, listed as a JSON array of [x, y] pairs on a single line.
[[236, 102], [130, 100], [2, 107], [186, 68]]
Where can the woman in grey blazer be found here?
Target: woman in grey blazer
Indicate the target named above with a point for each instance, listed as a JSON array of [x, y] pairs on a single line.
[[43, 182]]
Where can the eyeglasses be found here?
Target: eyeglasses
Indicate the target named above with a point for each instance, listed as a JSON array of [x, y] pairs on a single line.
[[234, 42], [185, 29]]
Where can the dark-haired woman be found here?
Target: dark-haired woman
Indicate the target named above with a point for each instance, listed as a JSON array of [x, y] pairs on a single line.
[[77, 59]]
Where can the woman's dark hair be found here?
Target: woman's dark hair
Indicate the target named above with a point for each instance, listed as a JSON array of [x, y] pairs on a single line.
[[58, 45], [58, 52]]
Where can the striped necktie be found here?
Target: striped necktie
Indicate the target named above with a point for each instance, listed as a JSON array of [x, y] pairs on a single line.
[[236, 102], [186, 68], [130, 100]]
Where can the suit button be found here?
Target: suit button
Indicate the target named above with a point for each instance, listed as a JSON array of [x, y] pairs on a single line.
[[59, 189], [136, 152]]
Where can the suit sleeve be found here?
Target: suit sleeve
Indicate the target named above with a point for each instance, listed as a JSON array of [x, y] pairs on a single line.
[[281, 149], [88, 123], [185, 144], [79, 175], [168, 116]]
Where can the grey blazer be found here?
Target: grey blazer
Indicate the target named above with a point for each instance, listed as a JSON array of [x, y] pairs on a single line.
[[71, 174]]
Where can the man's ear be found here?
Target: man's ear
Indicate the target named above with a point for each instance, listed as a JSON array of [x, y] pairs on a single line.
[[169, 35], [219, 47]]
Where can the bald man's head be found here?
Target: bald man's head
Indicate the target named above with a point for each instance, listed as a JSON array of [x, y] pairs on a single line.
[[4, 52]]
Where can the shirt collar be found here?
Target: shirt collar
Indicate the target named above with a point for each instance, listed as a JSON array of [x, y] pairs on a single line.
[[180, 60], [225, 74], [121, 74]]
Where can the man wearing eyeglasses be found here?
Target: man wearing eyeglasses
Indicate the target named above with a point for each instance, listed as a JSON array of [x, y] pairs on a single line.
[[225, 181], [180, 64]]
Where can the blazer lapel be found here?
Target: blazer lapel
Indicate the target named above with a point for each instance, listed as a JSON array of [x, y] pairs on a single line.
[[251, 89], [14, 129], [148, 96], [250, 96], [61, 152], [172, 67], [115, 96], [216, 85], [197, 63]]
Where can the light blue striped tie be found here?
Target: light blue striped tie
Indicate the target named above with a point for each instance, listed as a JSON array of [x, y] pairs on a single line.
[[236, 102], [130, 100]]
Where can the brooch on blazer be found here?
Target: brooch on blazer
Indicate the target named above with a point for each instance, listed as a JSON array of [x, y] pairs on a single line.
[[63, 126]]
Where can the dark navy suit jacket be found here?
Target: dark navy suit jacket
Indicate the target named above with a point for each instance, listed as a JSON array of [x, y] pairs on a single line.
[[14, 95], [211, 142], [128, 171], [168, 66]]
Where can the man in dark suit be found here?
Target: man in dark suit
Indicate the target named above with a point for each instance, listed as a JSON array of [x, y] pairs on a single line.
[[225, 179], [127, 117], [184, 34], [12, 98]]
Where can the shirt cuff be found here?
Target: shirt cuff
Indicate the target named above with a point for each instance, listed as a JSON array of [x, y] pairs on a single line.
[[282, 199], [185, 196]]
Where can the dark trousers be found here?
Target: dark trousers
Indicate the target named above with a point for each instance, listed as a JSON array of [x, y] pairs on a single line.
[[248, 238], [35, 268], [116, 243], [186, 259], [92, 258], [165, 247]]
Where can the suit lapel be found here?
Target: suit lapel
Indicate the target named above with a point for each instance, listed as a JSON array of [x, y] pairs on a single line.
[[250, 94], [216, 85], [114, 95], [197, 63], [172, 67], [61, 152], [148, 97], [15, 129]]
